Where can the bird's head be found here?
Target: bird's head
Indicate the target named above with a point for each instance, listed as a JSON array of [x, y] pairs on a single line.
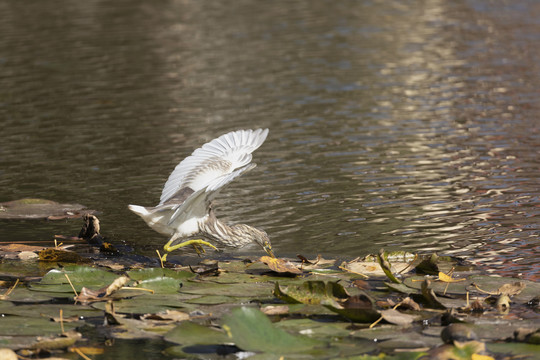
[[261, 238]]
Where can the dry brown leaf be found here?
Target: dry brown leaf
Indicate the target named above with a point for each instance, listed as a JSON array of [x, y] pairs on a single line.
[[280, 265], [275, 310], [167, 315], [117, 285], [512, 289], [395, 317]]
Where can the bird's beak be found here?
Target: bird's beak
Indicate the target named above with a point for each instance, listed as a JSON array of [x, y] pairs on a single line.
[[268, 250]]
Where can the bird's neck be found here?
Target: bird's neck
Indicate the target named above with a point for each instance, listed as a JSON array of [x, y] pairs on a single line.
[[234, 236]]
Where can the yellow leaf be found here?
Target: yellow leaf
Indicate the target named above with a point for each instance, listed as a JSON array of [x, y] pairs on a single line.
[[445, 278], [481, 357]]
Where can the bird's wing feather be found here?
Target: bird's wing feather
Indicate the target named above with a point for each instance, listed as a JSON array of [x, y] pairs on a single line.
[[196, 205], [215, 159]]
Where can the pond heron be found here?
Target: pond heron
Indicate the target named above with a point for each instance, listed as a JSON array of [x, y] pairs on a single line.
[[185, 209]]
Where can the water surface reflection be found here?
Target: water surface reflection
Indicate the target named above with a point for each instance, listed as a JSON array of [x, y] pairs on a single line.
[[398, 124]]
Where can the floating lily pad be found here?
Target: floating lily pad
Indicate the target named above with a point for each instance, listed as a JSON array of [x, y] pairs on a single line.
[[189, 333], [145, 304], [23, 325], [41, 209], [252, 290], [213, 300], [48, 310], [80, 276], [251, 330], [151, 273], [493, 283], [312, 292]]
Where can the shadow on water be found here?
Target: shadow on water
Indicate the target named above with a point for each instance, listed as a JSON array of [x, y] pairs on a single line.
[[404, 125]]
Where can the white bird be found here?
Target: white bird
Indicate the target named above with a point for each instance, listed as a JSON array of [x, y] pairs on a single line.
[[185, 208]]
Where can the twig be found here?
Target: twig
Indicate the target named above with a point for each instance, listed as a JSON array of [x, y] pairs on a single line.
[[409, 264], [62, 320], [72, 287], [81, 354], [10, 290], [134, 288]]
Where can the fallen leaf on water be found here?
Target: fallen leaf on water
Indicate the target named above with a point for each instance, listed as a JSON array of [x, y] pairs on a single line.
[[386, 267], [167, 315], [88, 350], [40, 209], [280, 265], [116, 285], [275, 310], [481, 357], [512, 289], [448, 279], [251, 330], [57, 255], [395, 317]]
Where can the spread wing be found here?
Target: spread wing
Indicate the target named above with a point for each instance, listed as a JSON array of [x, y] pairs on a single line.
[[208, 169]]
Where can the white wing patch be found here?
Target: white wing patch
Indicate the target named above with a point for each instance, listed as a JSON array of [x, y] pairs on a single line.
[[210, 165]]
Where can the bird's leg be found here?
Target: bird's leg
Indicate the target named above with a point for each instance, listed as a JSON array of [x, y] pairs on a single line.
[[197, 244]]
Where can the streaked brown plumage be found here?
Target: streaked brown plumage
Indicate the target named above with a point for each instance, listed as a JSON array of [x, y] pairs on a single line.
[[185, 208]]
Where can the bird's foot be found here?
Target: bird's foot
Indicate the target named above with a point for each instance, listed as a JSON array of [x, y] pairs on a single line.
[[197, 244]]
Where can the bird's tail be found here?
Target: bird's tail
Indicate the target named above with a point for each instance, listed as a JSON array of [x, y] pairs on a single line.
[[139, 210]]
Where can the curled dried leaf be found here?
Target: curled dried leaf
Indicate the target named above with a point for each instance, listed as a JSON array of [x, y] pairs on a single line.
[[280, 265], [117, 285]]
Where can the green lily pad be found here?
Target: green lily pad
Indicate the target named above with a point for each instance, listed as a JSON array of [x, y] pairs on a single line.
[[80, 276], [251, 330], [213, 300], [517, 349], [49, 310], [493, 283], [41, 209], [189, 333], [312, 292], [439, 287], [252, 290], [25, 326], [161, 285], [140, 305], [322, 330], [151, 273]]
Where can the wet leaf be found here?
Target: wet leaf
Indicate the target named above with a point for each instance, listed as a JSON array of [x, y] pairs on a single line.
[[251, 330], [280, 265], [458, 332], [57, 342], [59, 255], [22, 325], [512, 289], [386, 267], [168, 315], [312, 292], [458, 351], [40, 209], [80, 276], [395, 317], [151, 273], [189, 333], [428, 266], [358, 308], [429, 296]]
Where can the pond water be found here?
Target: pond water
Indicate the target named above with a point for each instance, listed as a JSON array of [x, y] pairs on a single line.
[[399, 124]]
